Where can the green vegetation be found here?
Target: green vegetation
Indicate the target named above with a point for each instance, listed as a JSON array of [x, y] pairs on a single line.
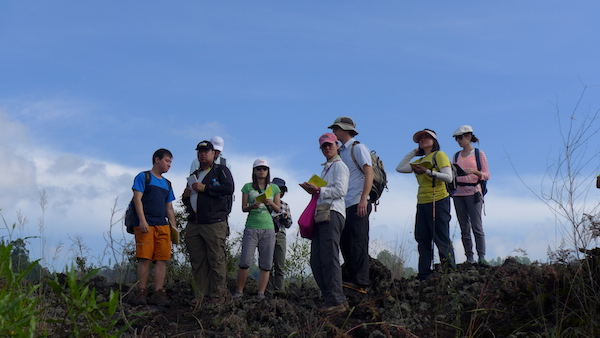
[[18, 305]]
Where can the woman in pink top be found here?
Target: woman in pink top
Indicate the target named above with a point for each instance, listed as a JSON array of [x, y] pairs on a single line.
[[468, 198]]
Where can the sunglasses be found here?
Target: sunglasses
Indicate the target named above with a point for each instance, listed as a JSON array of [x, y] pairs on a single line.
[[261, 168], [459, 137]]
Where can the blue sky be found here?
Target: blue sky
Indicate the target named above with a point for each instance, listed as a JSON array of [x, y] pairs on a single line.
[[88, 91]]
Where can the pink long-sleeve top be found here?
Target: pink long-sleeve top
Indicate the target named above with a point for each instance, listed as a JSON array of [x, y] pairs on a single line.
[[471, 162]]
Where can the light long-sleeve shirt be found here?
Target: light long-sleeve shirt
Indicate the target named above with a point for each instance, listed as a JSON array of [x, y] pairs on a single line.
[[336, 174]]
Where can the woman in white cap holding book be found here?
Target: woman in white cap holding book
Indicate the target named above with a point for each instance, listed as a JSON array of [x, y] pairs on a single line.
[[259, 199]]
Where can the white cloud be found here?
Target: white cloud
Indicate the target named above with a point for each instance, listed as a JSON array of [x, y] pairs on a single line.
[[81, 192]]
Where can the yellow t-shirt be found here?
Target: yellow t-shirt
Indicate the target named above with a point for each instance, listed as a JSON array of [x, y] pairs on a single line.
[[425, 193]]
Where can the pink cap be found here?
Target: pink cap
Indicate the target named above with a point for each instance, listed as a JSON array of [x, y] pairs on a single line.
[[327, 138]]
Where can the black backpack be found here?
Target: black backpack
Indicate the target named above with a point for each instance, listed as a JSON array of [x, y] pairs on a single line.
[[131, 219], [450, 187], [379, 178], [481, 182]]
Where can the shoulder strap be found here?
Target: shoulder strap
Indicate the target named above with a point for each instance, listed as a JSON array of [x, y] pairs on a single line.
[[477, 159], [354, 157], [456, 156], [434, 159], [434, 162], [148, 179]]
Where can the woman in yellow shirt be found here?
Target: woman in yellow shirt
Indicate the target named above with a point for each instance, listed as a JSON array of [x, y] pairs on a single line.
[[432, 223]]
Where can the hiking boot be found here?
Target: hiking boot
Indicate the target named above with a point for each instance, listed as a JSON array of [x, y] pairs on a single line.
[[355, 287], [483, 262], [470, 260], [261, 296], [159, 297], [329, 310], [237, 294], [141, 297]]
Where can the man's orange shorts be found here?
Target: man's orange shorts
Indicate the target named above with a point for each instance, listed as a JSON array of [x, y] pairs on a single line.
[[155, 245]]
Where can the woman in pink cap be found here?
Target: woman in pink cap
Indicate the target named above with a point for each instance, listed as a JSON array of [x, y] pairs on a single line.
[[325, 246], [259, 199]]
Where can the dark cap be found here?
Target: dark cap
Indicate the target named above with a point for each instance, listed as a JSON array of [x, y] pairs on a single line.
[[205, 145]]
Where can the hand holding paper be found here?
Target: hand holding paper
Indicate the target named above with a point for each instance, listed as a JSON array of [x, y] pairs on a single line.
[[261, 198], [316, 180], [194, 194]]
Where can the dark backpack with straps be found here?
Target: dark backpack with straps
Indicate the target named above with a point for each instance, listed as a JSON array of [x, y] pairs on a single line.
[[131, 219], [379, 177], [450, 187], [481, 182]]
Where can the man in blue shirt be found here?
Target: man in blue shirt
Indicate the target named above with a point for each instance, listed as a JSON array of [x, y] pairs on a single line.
[[153, 205]]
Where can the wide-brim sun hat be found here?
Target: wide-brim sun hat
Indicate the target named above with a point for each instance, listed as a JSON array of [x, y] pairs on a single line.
[[218, 143], [418, 134], [260, 163], [327, 138], [345, 123], [280, 183], [462, 130]]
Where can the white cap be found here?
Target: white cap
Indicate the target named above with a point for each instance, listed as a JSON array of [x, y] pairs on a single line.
[[260, 163], [462, 130], [218, 143]]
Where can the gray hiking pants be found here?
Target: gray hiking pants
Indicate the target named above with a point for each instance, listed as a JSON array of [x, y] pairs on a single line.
[[468, 212], [325, 259]]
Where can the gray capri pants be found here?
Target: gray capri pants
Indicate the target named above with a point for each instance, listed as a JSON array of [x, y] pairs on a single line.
[[264, 240]]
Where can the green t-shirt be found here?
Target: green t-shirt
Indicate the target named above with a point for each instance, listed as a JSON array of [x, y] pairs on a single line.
[[259, 218], [425, 194]]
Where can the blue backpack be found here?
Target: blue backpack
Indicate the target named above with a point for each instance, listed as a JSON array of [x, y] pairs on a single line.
[[481, 182]]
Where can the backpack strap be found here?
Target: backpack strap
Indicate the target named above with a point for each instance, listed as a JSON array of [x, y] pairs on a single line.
[[149, 178], [354, 157], [434, 159], [456, 157], [477, 159]]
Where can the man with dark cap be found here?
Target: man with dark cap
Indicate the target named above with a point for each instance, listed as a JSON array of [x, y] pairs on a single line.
[[355, 236], [281, 220], [206, 201]]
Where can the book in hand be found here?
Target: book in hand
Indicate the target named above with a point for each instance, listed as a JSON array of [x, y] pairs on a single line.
[[267, 194], [261, 198], [174, 235], [425, 164], [316, 180], [459, 170]]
